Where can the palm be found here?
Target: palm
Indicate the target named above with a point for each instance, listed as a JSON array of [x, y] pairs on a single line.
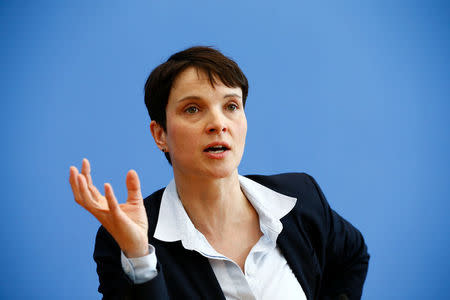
[[135, 213]]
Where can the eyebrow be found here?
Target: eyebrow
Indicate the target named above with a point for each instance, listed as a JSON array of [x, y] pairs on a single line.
[[232, 95], [193, 97]]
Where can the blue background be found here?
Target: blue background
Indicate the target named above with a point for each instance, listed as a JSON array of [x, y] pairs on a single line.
[[356, 93]]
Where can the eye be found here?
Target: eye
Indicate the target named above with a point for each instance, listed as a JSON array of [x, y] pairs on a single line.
[[232, 107], [191, 109]]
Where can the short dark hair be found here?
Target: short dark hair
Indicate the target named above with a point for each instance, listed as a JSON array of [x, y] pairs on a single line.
[[206, 59]]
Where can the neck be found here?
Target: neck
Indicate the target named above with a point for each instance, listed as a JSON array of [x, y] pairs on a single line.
[[214, 204]]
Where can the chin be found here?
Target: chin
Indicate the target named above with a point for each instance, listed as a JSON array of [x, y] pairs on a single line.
[[210, 171], [219, 172]]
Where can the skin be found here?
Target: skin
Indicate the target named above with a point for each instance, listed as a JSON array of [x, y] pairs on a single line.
[[198, 114]]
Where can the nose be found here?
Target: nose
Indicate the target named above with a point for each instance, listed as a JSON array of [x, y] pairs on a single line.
[[216, 123]]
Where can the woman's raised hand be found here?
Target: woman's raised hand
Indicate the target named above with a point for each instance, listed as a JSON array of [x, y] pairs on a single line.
[[126, 222]]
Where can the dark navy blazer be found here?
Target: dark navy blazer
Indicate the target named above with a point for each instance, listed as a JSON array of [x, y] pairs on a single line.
[[326, 253]]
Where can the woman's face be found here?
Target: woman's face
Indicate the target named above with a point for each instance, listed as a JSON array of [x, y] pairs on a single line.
[[206, 126]]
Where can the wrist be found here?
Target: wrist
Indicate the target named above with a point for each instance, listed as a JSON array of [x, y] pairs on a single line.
[[137, 251]]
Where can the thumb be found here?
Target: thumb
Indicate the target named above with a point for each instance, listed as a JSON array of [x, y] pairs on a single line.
[[133, 187]]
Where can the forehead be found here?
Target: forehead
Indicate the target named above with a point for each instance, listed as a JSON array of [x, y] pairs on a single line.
[[194, 80]]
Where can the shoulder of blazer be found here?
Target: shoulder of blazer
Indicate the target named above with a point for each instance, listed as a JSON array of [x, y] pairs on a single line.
[[311, 211], [310, 199], [284, 183]]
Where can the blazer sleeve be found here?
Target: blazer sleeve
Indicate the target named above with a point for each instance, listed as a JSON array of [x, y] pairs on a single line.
[[345, 257], [114, 283]]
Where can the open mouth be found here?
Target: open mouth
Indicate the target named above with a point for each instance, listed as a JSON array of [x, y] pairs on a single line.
[[216, 149]]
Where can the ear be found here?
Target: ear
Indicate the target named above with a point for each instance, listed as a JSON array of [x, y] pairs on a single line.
[[159, 135]]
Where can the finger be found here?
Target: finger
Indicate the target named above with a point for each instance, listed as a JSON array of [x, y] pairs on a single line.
[[133, 186], [74, 184], [86, 170], [95, 192], [110, 198], [86, 198]]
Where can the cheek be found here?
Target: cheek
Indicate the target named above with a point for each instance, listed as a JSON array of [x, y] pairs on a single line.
[[243, 128], [181, 138]]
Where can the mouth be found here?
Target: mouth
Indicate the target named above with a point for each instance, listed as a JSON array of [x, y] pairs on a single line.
[[217, 148]]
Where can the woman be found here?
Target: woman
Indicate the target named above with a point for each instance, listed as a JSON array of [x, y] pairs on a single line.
[[212, 233]]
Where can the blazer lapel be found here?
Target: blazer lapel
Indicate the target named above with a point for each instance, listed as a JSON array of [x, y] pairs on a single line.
[[188, 270], [299, 255], [204, 278]]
